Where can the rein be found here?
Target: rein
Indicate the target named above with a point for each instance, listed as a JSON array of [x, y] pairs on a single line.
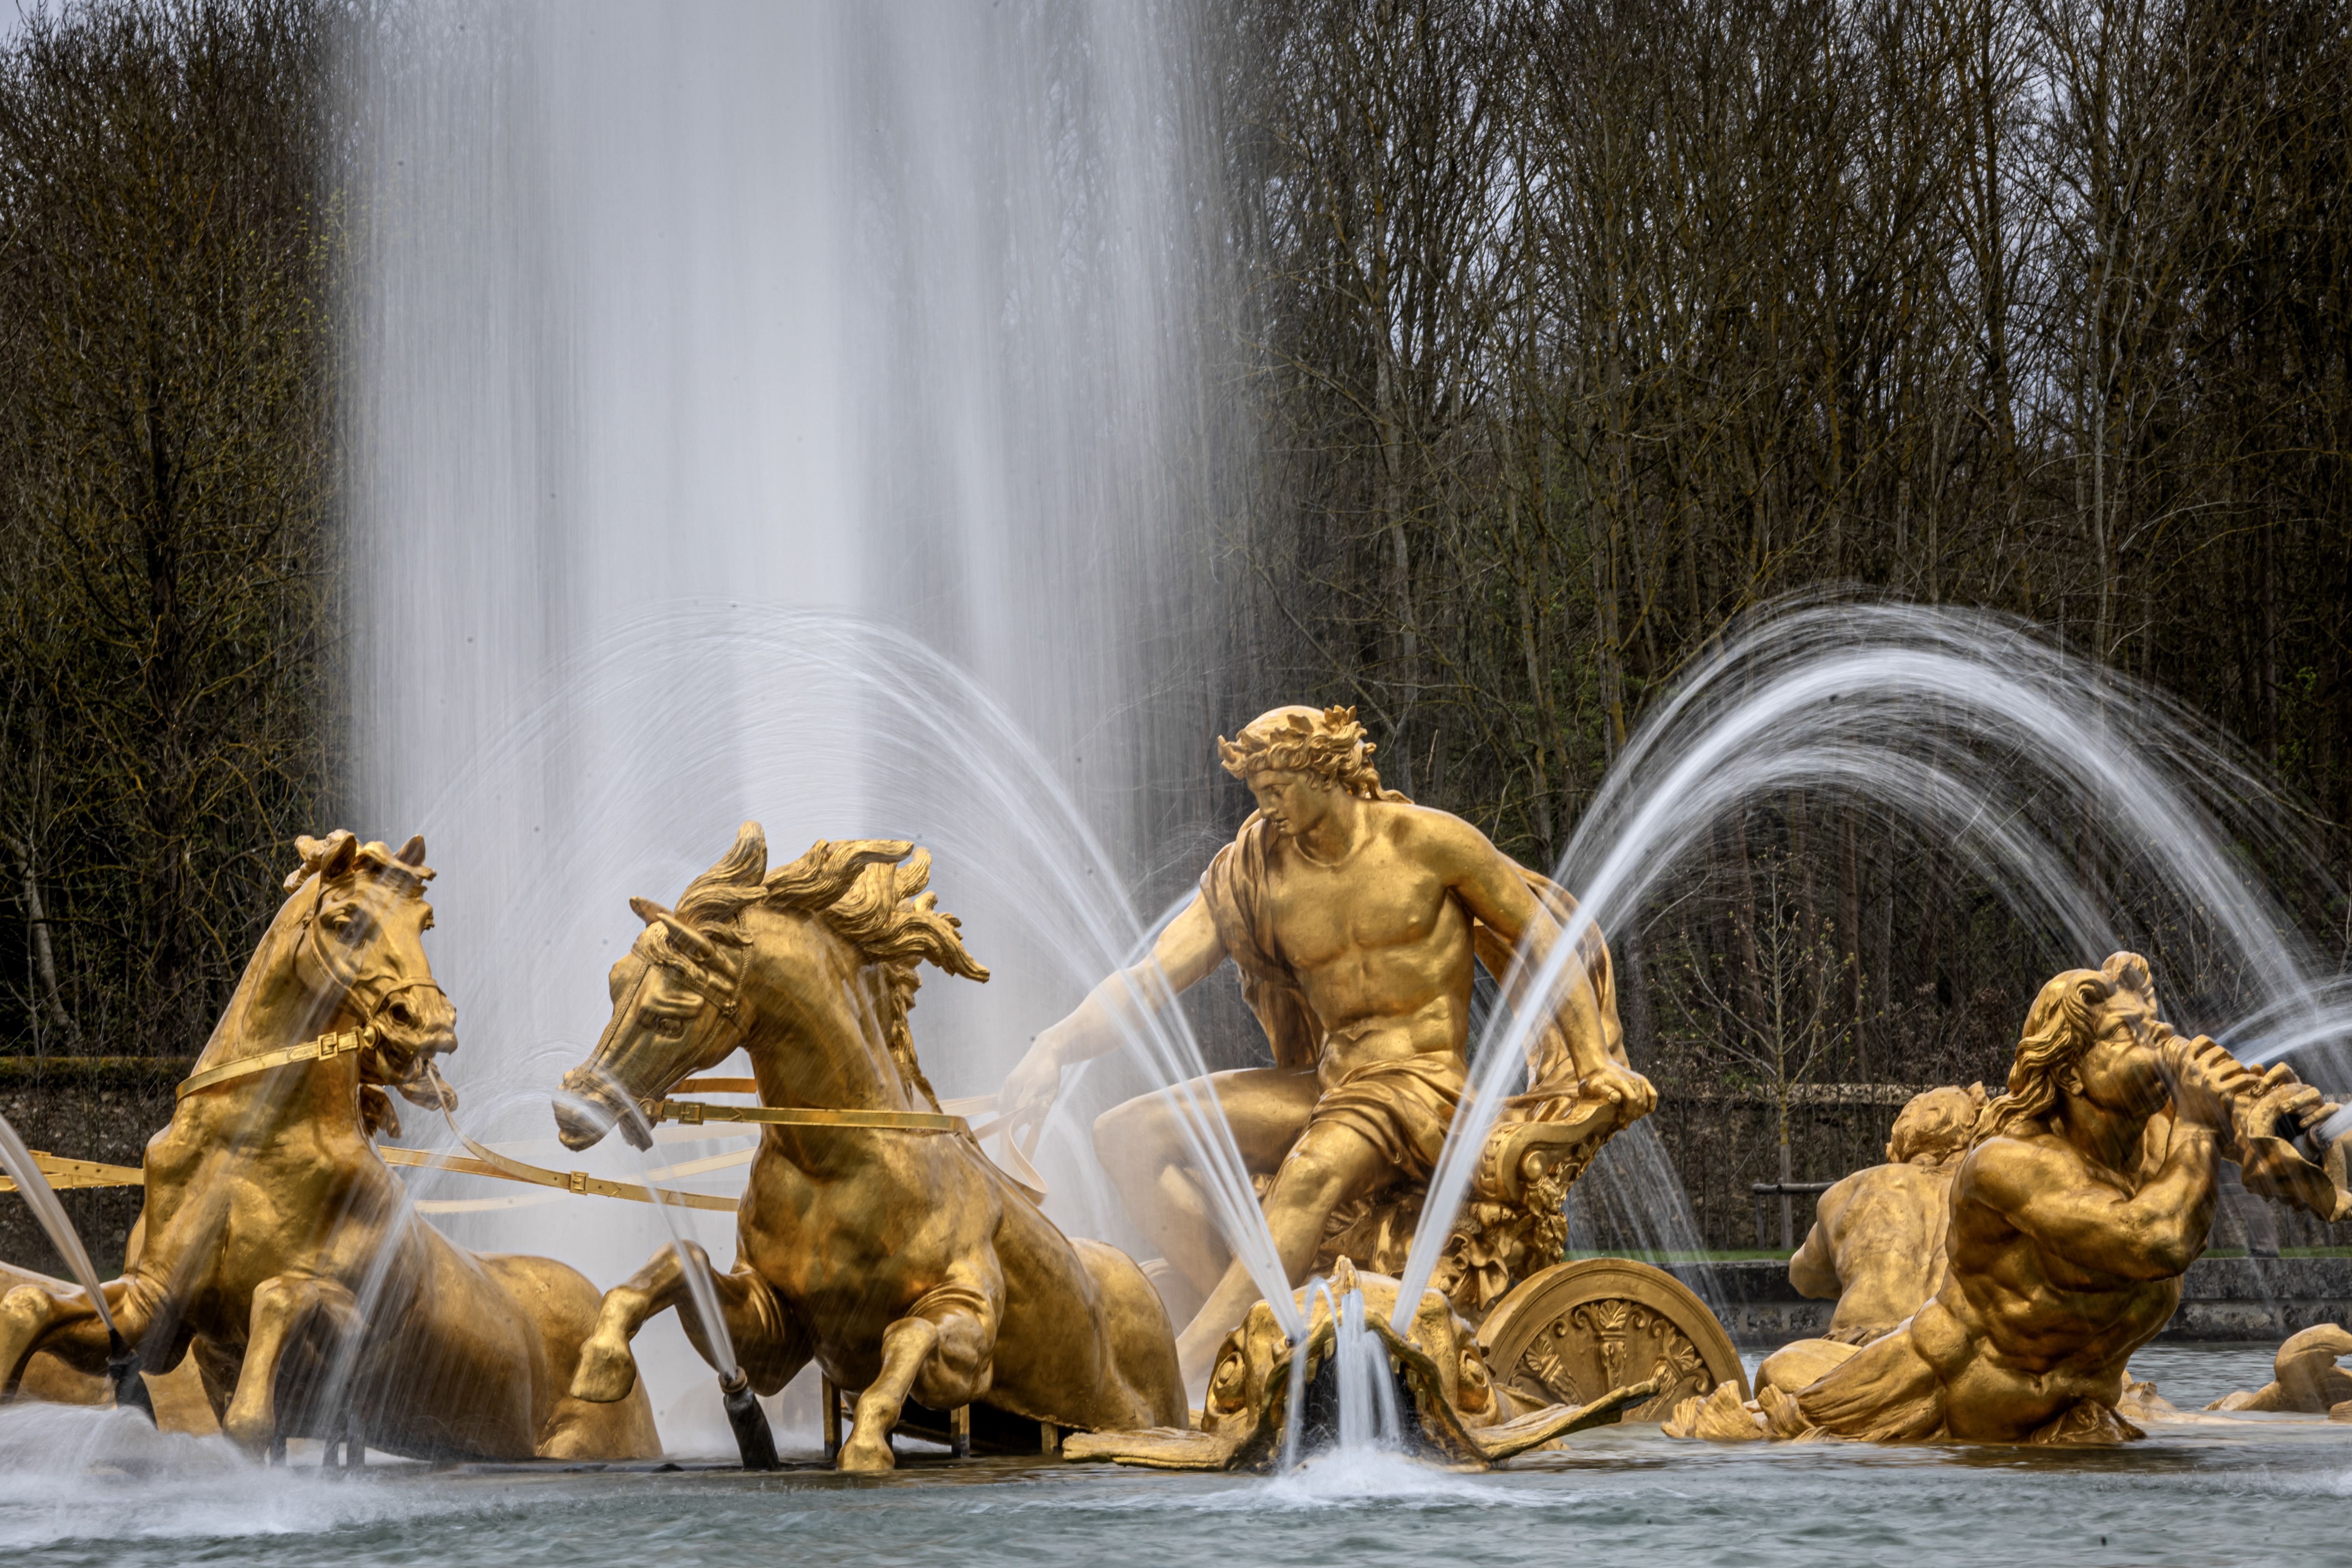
[[326, 1048], [720, 987], [485, 1162], [694, 1113], [357, 998], [718, 990], [489, 1161]]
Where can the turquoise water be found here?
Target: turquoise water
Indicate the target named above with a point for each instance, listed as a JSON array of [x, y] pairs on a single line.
[[79, 1487]]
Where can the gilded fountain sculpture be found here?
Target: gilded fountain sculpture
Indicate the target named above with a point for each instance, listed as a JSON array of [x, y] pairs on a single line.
[[876, 1238], [2087, 1192], [1994, 1277], [278, 1251], [1356, 919]]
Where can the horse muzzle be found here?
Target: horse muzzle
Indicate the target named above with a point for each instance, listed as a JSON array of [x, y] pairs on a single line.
[[412, 1028], [588, 1110], [418, 1021]]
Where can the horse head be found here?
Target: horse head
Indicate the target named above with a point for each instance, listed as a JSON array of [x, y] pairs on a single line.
[[674, 1006], [854, 908], [359, 952]]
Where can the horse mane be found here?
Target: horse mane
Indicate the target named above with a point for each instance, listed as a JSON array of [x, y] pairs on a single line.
[[870, 892]]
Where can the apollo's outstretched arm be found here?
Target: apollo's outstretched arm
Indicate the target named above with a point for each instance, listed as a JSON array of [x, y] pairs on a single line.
[[1187, 951]]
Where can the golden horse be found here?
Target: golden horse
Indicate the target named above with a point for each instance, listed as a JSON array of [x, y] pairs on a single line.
[[282, 1252], [894, 1254]]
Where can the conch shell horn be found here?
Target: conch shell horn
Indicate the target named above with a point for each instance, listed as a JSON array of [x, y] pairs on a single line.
[[682, 936]]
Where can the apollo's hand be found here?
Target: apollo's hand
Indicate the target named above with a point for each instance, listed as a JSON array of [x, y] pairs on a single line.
[[1030, 1089], [1623, 1087]]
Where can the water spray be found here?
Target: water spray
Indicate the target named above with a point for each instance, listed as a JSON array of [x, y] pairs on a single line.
[[1295, 1412], [121, 1356], [755, 1440]]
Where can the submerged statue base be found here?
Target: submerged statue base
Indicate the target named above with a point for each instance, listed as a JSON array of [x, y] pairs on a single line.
[[2305, 1378]]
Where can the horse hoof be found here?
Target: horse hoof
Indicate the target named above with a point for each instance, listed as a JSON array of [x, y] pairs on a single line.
[[861, 1455], [605, 1374], [254, 1438]]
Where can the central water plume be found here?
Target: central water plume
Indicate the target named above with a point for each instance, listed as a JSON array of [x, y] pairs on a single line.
[[1367, 1399], [2033, 766], [679, 322]]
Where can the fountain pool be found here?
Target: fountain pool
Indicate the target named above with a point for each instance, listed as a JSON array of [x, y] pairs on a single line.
[[96, 1487]]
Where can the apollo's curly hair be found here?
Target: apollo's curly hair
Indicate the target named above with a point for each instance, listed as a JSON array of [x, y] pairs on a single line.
[[1326, 744], [2059, 1028]]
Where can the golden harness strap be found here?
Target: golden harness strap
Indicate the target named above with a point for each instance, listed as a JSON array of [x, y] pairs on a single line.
[[357, 998], [326, 1048], [693, 1112], [489, 1161], [485, 1161]]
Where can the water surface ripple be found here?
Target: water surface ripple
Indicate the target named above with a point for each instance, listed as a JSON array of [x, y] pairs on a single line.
[[84, 1488]]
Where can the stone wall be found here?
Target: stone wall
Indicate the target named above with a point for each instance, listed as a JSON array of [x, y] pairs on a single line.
[[2263, 1299], [101, 1109]]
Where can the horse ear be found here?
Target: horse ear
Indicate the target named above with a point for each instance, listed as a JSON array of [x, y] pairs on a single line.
[[682, 936], [310, 849], [691, 942], [325, 858], [413, 852], [750, 855]]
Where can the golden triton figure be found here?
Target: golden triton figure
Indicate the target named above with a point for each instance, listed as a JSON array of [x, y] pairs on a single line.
[[1877, 1243], [2087, 1192], [1355, 918]]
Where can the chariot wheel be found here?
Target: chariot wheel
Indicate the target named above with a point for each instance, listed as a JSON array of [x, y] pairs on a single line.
[[1573, 1332]]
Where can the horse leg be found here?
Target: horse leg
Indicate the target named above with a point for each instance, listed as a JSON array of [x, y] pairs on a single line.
[[944, 1349], [26, 1314], [1141, 1383], [68, 1327], [283, 1307], [770, 1346]]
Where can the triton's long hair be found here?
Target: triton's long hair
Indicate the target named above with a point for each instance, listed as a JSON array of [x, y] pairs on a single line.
[[2059, 1028]]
